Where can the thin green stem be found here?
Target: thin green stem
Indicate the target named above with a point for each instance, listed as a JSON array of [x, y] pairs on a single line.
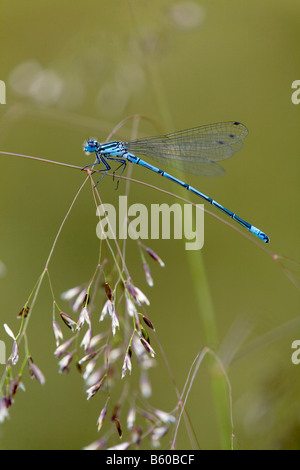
[[200, 281]]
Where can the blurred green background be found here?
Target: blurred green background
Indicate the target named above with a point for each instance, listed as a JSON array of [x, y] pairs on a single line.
[[182, 63]]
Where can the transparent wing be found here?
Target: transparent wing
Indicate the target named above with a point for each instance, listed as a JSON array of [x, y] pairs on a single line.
[[208, 168], [193, 150]]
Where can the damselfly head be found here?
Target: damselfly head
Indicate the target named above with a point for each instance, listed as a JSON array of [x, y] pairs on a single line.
[[90, 146]]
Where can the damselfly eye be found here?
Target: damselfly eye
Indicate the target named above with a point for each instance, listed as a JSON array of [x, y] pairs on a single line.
[[90, 145]]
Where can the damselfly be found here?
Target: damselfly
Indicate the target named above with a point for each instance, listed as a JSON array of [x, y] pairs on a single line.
[[194, 150]]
